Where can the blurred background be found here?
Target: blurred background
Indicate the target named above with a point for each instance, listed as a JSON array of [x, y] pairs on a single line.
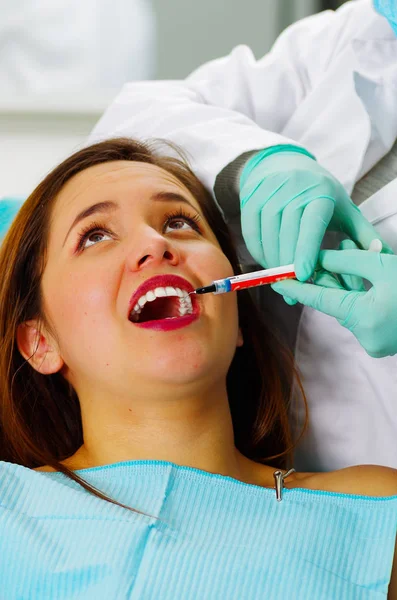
[[62, 62]]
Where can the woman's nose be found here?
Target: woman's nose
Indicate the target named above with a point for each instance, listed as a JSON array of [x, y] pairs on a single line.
[[153, 250]]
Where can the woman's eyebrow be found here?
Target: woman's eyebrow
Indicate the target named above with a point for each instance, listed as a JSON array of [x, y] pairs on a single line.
[[111, 206]]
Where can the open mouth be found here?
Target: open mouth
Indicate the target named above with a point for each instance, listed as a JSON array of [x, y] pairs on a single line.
[[162, 303]]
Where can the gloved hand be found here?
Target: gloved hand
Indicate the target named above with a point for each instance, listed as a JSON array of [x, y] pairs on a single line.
[[370, 315], [287, 202]]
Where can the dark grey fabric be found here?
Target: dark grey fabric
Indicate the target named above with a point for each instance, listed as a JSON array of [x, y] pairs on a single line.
[[227, 185], [379, 176]]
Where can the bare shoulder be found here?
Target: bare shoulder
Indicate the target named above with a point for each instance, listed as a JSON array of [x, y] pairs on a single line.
[[46, 469], [362, 480]]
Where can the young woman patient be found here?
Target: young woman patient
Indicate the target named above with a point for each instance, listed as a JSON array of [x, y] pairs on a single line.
[[144, 439]]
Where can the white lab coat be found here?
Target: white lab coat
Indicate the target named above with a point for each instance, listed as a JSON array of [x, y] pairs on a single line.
[[330, 84], [48, 46]]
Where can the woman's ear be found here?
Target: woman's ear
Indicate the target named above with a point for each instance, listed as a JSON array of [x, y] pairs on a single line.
[[36, 348], [240, 339]]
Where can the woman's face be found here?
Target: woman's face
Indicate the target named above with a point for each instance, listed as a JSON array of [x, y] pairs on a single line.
[[87, 289]]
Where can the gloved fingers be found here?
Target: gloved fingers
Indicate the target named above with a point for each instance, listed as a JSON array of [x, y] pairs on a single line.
[[325, 279], [251, 231], [269, 189], [351, 282], [370, 265], [250, 188], [315, 220], [270, 224], [360, 230], [289, 232], [280, 201], [289, 235], [336, 303]]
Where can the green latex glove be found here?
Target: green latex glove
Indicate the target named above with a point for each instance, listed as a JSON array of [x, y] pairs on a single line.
[[288, 201], [370, 315]]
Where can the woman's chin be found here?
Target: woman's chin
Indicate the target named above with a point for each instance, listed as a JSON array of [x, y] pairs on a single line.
[[182, 359], [183, 369]]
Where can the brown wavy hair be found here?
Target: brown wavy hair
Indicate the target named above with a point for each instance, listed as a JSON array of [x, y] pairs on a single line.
[[40, 418]]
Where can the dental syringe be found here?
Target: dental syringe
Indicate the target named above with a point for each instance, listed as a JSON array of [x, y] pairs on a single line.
[[248, 280], [264, 277]]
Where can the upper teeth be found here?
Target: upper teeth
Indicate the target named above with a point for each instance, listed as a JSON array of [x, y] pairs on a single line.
[[185, 303]]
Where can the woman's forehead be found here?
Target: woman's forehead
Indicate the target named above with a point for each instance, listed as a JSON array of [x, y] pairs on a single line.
[[117, 176]]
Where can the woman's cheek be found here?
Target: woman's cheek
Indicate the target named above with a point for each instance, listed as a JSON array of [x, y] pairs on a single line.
[[213, 265], [80, 304]]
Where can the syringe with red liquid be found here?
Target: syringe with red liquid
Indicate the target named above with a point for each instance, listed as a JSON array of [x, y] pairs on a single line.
[[248, 280]]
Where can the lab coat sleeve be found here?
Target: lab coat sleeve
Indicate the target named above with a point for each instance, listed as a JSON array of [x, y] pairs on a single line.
[[230, 105]]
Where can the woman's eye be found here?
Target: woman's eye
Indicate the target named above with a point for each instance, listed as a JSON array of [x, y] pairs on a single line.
[[95, 234], [88, 234], [182, 221], [179, 224]]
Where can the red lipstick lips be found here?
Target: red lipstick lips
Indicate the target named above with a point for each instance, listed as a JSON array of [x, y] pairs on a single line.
[[170, 323]]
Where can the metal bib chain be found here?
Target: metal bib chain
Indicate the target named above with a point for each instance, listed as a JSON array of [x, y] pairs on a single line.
[[279, 481]]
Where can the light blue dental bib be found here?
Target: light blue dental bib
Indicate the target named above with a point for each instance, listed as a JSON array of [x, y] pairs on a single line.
[[216, 538]]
